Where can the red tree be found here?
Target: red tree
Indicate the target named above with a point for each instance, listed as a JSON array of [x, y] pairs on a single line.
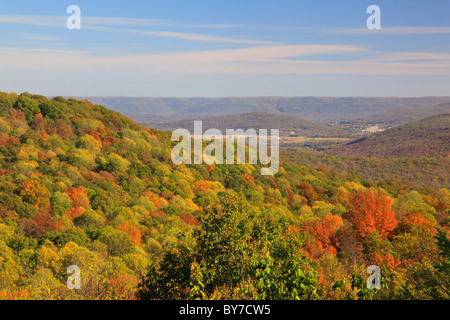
[[371, 212], [323, 231], [308, 192]]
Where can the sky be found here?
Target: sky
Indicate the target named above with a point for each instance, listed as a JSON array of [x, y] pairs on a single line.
[[216, 48]]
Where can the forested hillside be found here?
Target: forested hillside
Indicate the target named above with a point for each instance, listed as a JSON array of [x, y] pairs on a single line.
[[426, 138], [83, 185], [417, 172]]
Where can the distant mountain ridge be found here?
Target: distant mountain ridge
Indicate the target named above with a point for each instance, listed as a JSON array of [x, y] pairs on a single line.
[[258, 120], [429, 137], [404, 115], [325, 109]]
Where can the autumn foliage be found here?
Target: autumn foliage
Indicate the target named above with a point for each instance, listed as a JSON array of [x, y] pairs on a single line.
[[79, 197], [83, 185], [323, 232], [371, 212], [132, 230]]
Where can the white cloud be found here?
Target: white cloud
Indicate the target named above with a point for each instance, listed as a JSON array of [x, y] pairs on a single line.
[[42, 38], [105, 23], [140, 22], [59, 21], [30, 51], [247, 61], [254, 54], [410, 56], [34, 20], [198, 37]]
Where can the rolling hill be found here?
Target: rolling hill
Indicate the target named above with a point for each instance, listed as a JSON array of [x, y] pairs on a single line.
[[429, 137], [324, 109], [259, 120]]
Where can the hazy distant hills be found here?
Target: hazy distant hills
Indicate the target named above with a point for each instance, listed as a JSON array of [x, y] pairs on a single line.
[[404, 115], [259, 120], [324, 109], [429, 137]]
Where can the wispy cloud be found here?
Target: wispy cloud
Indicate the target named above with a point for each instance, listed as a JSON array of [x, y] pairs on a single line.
[[30, 51], [116, 24], [257, 54], [409, 56], [197, 37], [34, 20], [394, 30], [140, 22], [60, 21], [246, 61], [42, 38]]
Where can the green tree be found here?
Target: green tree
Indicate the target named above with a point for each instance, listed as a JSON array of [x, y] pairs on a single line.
[[28, 106], [240, 251]]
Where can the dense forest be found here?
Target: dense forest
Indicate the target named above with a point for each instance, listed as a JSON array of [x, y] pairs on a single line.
[[415, 172], [83, 185]]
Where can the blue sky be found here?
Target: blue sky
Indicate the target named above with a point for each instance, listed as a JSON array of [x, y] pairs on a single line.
[[226, 48]]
